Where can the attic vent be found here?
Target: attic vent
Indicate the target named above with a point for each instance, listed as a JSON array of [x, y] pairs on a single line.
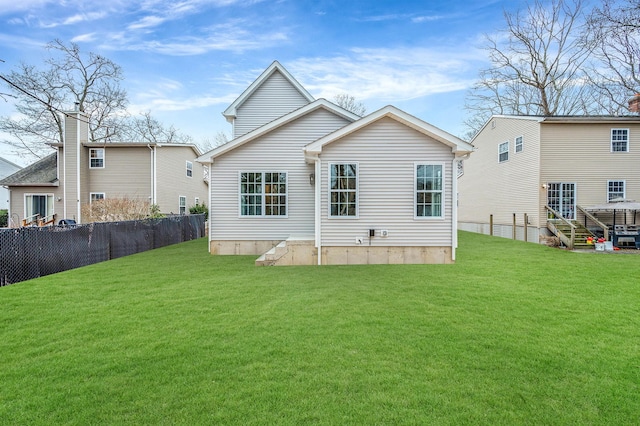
[[493, 124]]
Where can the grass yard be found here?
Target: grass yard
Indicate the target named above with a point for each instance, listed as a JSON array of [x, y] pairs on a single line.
[[513, 333]]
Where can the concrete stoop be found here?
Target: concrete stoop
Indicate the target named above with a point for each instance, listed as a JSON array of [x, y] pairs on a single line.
[[293, 251]]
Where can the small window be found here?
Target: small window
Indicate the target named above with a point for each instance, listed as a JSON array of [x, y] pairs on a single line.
[[96, 158], [182, 205], [460, 167], [619, 140], [197, 201], [429, 187], [503, 152], [343, 190], [615, 190], [263, 194], [519, 144], [189, 169], [96, 196]]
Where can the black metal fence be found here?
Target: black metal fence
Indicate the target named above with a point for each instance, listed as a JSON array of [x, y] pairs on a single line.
[[32, 252]]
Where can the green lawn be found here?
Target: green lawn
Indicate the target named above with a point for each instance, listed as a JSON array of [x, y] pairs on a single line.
[[513, 333]]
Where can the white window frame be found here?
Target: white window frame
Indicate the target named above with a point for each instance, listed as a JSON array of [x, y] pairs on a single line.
[[49, 199], [609, 191], [189, 169], [197, 201], [417, 190], [618, 140], [518, 144], [102, 158], [182, 205], [501, 151], [355, 190], [263, 195], [92, 198]]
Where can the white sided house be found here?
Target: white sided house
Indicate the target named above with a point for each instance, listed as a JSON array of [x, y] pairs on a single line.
[[307, 182]]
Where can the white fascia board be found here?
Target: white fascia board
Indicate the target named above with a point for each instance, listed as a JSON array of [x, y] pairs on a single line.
[[230, 112], [260, 131], [457, 145]]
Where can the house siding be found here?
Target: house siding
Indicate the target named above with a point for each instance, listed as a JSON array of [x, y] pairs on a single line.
[[502, 189], [281, 150], [6, 168], [273, 99], [386, 153], [581, 154], [172, 180], [127, 174]]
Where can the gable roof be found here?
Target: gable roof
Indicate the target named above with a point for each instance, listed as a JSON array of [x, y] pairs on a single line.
[[41, 173], [230, 112], [239, 141], [457, 145]]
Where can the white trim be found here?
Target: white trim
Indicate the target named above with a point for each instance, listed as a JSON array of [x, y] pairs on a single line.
[[515, 144], [180, 198], [442, 190], [91, 194], [454, 210], [457, 145], [500, 152], [263, 215], [104, 156], [329, 165], [318, 207], [230, 112], [624, 191], [611, 139], [285, 119], [78, 155]]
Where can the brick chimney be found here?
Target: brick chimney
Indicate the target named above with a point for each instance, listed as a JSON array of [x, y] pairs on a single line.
[[634, 104]]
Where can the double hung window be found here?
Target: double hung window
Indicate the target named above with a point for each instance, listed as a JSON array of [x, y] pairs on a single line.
[[343, 190], [503, 152], [615, 190], [96, 158], [429, 190], [619, 140]]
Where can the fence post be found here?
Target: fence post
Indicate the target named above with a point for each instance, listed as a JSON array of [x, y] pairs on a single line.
[[526, 221], [513, 234], [491, 225]]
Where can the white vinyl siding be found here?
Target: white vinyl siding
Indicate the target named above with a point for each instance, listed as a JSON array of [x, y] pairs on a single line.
[[615, 190], [280, 149], [273, 99], [619, 140], [516, 183], [386, 152]]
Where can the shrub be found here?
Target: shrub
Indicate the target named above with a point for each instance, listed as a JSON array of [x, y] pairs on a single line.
[[200, 209], [118, 209], [4, 218]]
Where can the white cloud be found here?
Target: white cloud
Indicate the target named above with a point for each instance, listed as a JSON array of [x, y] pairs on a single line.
[[387, 74], [84, 38]]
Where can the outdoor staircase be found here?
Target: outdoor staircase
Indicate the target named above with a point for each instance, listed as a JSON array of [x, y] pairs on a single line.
[[293, 251], [563, 231]]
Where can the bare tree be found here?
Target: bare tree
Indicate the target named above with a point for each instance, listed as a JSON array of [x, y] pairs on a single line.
[[350, 103], [90, 81], [536, 65], [148, 129], [615, 27], [207, 144]]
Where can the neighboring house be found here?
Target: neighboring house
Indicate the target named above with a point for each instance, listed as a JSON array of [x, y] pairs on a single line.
[[6, 168], [81, 171], [307, 182], [524, 164]]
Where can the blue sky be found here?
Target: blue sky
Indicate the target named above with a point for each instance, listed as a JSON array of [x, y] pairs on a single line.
[[185, 61]]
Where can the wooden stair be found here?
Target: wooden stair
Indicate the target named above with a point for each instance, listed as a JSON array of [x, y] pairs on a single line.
[[581, 233]]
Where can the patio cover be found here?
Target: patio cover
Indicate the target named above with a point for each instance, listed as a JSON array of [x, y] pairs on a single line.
[[615, 206]]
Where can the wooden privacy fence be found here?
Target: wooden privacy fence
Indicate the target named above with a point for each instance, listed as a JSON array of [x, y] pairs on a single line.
[[32, 252]]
